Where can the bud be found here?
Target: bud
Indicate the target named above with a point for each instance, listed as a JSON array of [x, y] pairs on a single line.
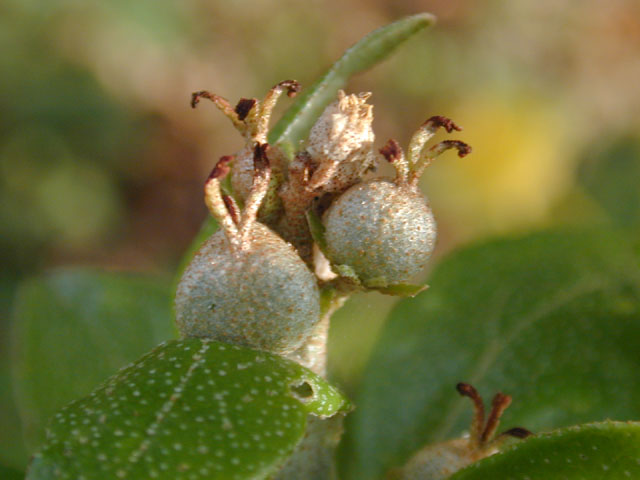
[[341, 143]]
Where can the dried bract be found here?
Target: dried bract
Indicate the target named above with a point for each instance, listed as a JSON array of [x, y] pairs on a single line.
[[341, 143]]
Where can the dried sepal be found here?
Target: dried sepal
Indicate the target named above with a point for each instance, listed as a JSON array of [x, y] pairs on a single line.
[[223, 105], [261, 177], [477, 422], [232, 207], [426, 131], [257, 128], [482, 435], [420, 156], [265, 107], [499, 404], [251, 118], [244, 107], [237, 224], [441, 460], [393, 153], [297, 199], [215, 201], [428, 155]]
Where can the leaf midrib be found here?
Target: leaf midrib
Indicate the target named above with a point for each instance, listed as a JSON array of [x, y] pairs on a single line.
[[166, 408]]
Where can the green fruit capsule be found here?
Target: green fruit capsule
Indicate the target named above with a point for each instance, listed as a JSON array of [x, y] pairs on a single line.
[[263, 297], [383, 229], [247, 286]]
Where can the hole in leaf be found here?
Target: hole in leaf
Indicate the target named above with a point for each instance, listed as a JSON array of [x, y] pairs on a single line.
[[303, 391]]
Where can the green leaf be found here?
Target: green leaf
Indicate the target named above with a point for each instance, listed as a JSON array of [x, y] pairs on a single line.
[[13, 452], [610, 175], [192, 409], [552, 319], [74, 328], [372, 49], [607, 450], [7, 473]]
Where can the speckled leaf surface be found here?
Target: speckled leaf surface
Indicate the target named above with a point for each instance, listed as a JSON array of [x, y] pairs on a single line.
[[190, 409], [598, 451], [375, 47], [73, 328], [552, 319]]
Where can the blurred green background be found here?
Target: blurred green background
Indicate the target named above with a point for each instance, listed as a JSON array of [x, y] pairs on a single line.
[[102, 159]]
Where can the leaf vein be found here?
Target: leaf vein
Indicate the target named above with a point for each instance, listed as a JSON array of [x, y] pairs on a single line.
[[494, 348], [168, 405]]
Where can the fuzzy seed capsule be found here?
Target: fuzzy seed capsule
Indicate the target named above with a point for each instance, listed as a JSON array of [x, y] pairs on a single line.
[[246, 285], [384, 231], [263, 297]]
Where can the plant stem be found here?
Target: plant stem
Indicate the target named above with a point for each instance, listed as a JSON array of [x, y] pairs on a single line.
[[313, 458], [313, 354]]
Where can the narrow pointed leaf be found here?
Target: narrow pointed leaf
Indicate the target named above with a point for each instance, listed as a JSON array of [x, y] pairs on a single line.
[[190, 409], [372, 49], [598, 451]]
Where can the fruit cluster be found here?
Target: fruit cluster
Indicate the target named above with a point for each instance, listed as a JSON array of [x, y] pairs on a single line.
[[298, 227]]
